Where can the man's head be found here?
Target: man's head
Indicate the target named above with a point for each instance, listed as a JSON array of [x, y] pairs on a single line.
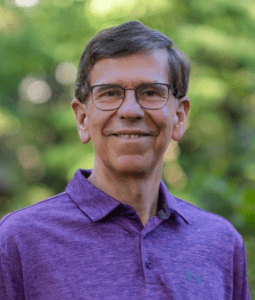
[[110, 114], [132, 38]]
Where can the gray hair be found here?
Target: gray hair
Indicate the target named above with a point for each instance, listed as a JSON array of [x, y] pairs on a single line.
[[126, 39]]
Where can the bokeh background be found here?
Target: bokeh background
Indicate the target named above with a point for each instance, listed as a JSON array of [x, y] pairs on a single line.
[[213, 167]]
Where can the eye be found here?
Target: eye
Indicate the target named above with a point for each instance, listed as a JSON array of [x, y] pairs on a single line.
[[110, 93], [151, 93]]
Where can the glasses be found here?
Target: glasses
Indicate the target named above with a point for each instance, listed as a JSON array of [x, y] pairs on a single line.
[[149, 96]]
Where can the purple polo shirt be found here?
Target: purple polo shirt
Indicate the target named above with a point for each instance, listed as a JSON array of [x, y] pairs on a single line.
[[84, 244]]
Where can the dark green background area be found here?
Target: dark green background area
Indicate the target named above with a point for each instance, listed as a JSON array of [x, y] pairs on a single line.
[[214, 167]]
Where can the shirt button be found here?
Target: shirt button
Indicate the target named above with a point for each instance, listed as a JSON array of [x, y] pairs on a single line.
[[149, 264]]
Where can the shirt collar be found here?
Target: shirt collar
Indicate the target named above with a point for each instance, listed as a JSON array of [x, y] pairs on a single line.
[[89, 199]]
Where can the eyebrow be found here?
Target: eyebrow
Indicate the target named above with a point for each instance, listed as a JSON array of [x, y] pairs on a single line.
[[120, 84]]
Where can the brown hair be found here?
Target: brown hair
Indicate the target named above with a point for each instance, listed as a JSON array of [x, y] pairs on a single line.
[[126, 39]]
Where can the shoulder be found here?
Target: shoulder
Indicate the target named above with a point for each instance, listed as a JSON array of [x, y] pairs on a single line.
[[26, 219], [209, 226]]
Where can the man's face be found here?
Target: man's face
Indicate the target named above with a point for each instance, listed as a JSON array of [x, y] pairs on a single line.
[[125, 155]]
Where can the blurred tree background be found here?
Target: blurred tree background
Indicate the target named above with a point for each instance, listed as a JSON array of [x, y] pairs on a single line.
[[213, 167]]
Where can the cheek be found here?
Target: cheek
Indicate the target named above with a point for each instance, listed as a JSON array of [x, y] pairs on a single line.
[[166, 129], [165, 120], [99, 139]]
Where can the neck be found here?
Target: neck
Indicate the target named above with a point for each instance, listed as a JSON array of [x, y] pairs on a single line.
[[137, 190]]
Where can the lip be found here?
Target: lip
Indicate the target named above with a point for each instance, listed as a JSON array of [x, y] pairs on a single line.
[[142, 136], [132, 140], [129, 132]]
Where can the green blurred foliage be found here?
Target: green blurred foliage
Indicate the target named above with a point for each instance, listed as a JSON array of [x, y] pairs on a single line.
[[213, 166]]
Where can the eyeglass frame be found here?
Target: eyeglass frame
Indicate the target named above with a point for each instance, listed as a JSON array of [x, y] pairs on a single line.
[[170, 87]]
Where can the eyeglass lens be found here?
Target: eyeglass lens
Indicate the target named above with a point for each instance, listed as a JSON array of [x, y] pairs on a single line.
[[109, 97]]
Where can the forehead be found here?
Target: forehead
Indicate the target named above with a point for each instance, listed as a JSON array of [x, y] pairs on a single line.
[[131, 70]]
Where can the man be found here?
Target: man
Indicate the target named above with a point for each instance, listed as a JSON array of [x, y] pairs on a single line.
[[117, 232]]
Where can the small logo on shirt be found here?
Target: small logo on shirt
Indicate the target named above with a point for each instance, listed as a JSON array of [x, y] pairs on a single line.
[[197, 277]]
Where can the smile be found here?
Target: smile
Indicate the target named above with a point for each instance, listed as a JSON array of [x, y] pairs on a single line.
[[131, 136]]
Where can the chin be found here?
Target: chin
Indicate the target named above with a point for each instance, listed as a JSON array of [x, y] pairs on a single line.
[[128, 166]]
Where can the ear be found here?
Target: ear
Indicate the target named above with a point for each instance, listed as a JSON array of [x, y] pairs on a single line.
[[82, 118], [180, 118]]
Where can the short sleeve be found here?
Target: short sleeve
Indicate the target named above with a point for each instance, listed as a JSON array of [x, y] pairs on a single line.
[[11, 286], [241, 285]]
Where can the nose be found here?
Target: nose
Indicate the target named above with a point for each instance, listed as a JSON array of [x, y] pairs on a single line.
[[130, 107]]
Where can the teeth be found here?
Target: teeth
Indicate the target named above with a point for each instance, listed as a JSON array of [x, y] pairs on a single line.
[[131, 136]]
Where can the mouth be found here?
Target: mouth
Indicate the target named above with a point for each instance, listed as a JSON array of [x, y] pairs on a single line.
[[131, 136]]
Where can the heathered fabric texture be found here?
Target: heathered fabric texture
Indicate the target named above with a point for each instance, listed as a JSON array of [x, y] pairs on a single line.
[[84, 244]]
